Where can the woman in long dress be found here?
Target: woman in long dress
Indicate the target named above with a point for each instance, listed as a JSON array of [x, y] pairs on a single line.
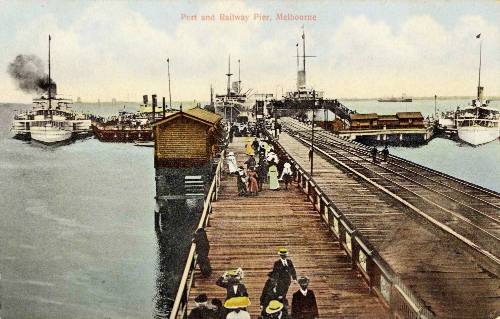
[[273, 177], [286, 175], [232, 165], [252, 187], [248, 146]]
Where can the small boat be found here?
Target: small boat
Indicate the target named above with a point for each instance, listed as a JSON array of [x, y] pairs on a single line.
[[144, 143]]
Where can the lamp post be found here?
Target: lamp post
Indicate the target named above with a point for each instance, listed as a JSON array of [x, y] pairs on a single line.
[[311, 155]]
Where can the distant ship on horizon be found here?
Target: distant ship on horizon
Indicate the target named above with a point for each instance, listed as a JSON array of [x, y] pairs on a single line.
[[403, 98]]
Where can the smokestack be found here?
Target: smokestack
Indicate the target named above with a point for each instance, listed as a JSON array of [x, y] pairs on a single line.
[[29, 73], [154, 102], [163, 107], [145, 100]]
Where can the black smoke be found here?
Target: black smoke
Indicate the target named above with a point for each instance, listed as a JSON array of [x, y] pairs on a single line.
[[29, 73]]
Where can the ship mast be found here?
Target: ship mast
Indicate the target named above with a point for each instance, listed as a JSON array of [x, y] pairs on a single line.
[[239, 79], [479, 88], [229, 76], [304, 53], [50, 80]]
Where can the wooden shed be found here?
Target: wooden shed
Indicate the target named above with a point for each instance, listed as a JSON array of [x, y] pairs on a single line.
[[388, 121], [410, 119], [364, 121], [187, 139]]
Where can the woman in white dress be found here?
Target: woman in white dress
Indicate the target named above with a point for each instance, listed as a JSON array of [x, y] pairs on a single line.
[[231, 163]]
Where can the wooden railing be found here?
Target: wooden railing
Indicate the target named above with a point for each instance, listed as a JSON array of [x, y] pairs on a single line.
[[179, 308], [381, 278]]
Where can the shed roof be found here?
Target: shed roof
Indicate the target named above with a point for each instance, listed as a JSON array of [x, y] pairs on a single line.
[[197, 114], [368, 116], [387, 118], [409, 115]]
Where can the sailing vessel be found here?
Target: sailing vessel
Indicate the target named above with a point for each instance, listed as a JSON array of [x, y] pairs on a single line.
[[51, 120], [478, 124]]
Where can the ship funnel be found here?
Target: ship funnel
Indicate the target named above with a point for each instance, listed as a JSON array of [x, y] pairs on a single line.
[[145, 99], [154, 102], [480, 93]]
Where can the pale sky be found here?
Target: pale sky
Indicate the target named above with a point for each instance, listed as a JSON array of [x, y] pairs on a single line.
[[106, 49]]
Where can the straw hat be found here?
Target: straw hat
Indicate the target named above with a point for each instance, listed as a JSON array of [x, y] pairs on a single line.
[[283, 251], [274, 306], [237, 302]]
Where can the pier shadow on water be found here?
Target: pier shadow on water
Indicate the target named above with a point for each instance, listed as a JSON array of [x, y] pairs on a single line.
[[174, 241]]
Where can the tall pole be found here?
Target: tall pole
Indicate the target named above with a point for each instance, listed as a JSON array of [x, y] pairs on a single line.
[[50, 80], [312, 131], [239, 79], [169, 92], [229, 76], [480, 49], [435, 105], [297, 46], [304, 53], [479, 95]]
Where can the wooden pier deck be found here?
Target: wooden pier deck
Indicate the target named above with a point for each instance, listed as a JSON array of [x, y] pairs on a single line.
[[247, 232], [445, 275]]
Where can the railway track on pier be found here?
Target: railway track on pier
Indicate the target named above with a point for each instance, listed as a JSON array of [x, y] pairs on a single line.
[[464, 211]]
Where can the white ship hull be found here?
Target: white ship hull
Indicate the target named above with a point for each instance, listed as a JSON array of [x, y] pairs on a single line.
[[49, 134], [477, 135]]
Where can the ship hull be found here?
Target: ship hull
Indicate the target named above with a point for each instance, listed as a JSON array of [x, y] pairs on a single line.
[[50, 135], [122, 135], [477, 135], [395, 100]]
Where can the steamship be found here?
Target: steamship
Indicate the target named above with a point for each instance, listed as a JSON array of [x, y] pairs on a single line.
[[235, 101], [51, 120], [403, 98], [479, 123], [128, 127]]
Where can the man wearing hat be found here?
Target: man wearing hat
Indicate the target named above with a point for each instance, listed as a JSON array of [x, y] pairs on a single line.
[[270, 292], [304, 302], [236, 307], [231, 282], [285, 271], [274, 310], [201, 311]]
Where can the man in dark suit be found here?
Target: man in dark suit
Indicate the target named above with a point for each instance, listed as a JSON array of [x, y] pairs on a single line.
[[202, 249], [201, 311], [233, 286], [269, 292], [284, 271], [304, 302]]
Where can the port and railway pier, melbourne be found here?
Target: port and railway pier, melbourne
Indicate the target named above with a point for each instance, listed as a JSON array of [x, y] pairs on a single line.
[[384, 239]]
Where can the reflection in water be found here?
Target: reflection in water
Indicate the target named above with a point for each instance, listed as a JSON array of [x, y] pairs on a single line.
[[174, 242]]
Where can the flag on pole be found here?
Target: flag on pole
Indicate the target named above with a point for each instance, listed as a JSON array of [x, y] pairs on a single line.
[[168, 60], [478, 36], [296, 44]]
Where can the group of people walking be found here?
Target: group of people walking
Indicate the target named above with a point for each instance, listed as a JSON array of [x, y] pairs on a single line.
[[273, 300], [262, 166], [385, 154]]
